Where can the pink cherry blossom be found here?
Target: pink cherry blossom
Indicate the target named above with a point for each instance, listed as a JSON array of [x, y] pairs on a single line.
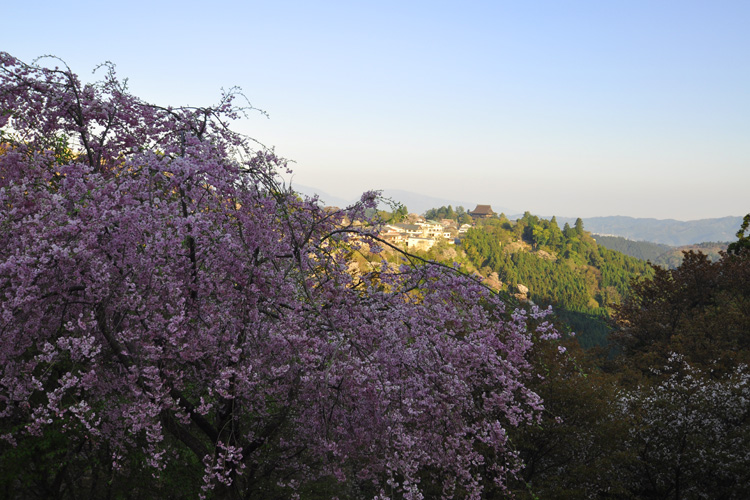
[[160, 286]]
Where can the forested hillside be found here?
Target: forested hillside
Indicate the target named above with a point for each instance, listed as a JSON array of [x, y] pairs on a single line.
[[657, 253], [563, 267], [665, 231], [644, 250]]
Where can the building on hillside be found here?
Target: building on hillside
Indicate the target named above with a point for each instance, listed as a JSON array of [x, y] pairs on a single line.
[[420, 235], [450, 234], [482, 212], [431, 228], [416, 243], [409, 229], [392, 236]]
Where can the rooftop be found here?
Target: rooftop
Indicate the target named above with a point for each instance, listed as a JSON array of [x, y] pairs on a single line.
[[482, 210]]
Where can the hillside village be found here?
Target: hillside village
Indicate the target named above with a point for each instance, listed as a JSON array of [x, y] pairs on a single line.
[[420, 233]]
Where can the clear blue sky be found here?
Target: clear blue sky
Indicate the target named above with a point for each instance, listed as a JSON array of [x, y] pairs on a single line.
[[637, 108]]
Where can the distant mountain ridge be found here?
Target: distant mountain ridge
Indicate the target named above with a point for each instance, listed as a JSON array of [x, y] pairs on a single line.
[[666, 231], [643, 250], [416, 202], [658, 253]]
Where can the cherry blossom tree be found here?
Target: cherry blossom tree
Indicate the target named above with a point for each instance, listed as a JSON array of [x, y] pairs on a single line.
[[689, 433], [166, 299]]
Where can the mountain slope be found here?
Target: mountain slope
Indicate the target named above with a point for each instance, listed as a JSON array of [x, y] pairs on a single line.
[[665, 231], [644, 250], [657, 253], [565, 268]]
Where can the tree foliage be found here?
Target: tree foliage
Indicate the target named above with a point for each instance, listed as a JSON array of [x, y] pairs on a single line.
[[700, 310], [165, 299], [578, 449], [459, 214], [743, 240], [562, 268], [689, 433], [670, 415], [684, 371]]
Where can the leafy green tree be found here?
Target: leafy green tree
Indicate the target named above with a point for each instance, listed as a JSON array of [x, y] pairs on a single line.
[[446, 213], [690, 432], [579, 226], [743, 241], [556, 236], [684, 335], [578, 450], [400, 213], [540, 236], [700, 310], [568, 232]]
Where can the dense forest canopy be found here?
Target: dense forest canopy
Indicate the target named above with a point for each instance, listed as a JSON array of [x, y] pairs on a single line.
[[667, 413], [535, 260], [656, 253], [459, 214], [564, 268]]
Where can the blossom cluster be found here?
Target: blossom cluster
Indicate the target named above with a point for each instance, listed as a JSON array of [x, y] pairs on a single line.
[[162, 290]]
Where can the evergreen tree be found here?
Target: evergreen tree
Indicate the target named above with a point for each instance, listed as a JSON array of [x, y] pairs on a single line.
[[568, 232], [743, 241], [579, 227]]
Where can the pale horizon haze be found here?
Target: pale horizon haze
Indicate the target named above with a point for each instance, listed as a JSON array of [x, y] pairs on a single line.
[[578, 109]]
